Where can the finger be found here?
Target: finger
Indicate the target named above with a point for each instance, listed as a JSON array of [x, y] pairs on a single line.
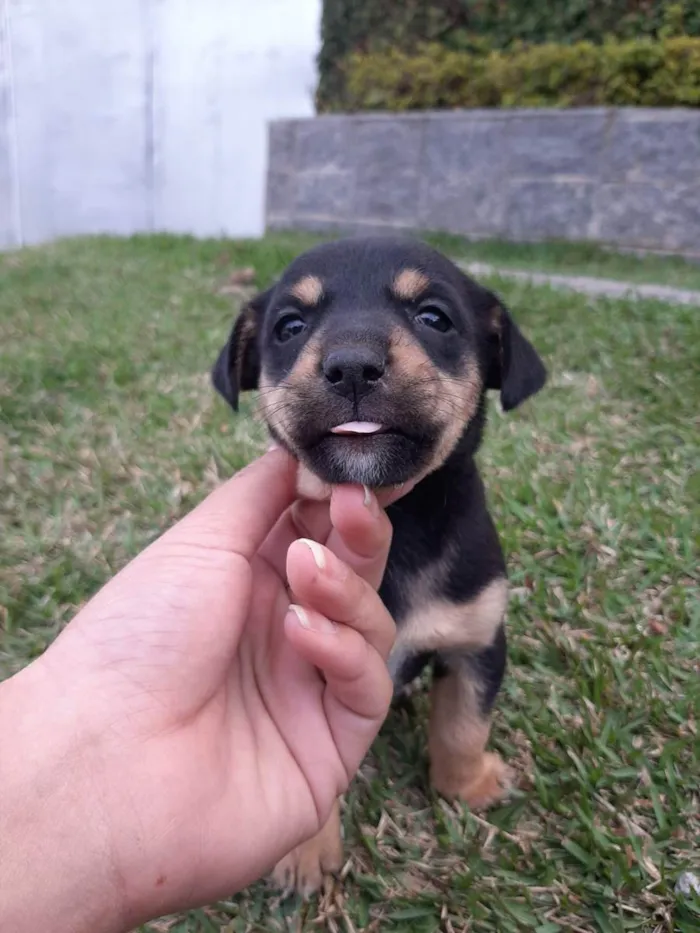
[[362, 537], [361, 532], [362, 525], [239, 515], [274, 548], [309, 518], [324, 583], [312, 519], [304, 519], [354, 672], [352, 525], [387, 495]]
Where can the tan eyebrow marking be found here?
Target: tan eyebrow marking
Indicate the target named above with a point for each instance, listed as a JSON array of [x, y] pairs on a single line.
[[409, 283], [308, 290]]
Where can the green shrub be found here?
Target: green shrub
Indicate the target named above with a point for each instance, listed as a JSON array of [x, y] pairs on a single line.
[[642, 72], [349, 26], [362, 26]]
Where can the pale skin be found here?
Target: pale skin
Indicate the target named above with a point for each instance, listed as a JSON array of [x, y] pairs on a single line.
[[191, 726]]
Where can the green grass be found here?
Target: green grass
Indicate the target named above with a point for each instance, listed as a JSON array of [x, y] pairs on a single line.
[[110, 431], [565, 258]]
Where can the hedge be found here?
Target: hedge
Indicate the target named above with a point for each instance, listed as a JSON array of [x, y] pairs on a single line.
[[362, 26], [349, 26], [644, 72]]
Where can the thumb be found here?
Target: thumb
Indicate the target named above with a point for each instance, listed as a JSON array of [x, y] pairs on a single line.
[[239, 515]]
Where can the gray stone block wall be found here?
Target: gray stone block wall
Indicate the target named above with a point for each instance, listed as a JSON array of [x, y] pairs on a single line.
[[626, 177]]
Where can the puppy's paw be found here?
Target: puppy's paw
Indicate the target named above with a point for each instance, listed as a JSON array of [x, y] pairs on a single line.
[[488, 786], [304, 869]]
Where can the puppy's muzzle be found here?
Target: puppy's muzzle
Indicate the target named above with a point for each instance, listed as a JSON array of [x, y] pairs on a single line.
[[353, 372]]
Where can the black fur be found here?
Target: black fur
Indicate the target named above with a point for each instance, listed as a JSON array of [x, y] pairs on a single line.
[[237, 368]]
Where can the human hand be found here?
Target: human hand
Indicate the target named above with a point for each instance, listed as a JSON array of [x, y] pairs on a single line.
[[187, 729]]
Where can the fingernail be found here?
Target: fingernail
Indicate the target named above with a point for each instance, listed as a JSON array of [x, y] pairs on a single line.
[[316, 552], [368, 496], [272, 447], [316, 623]]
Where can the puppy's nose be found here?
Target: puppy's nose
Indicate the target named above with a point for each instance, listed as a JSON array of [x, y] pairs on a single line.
[[354, 371]]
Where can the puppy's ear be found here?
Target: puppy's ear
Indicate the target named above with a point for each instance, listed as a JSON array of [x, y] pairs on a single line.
[[514, 366], [237, 368]]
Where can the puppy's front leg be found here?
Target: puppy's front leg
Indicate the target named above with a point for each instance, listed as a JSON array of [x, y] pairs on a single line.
[[303, 870], [460, 722]]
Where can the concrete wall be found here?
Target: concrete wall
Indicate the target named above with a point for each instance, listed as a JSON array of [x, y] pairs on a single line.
[[629, 177], [119, 116]]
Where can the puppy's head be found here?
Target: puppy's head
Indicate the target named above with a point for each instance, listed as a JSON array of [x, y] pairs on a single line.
[[372, 356]]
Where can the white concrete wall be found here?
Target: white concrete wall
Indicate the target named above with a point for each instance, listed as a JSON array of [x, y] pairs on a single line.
[[119, 116]]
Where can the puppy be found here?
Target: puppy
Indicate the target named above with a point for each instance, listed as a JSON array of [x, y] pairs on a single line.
[[373, 357]]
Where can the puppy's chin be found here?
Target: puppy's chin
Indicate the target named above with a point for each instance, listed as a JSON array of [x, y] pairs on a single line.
[[375, 461]]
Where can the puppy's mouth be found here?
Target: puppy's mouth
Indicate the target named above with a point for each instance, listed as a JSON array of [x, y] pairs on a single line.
[[359, 429], [376, 453], [366, 435]]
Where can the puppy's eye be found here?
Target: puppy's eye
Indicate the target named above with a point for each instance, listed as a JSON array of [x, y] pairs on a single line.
[[434, 317], [289, 326]]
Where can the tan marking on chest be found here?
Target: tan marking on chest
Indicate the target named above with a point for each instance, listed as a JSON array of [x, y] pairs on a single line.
[[439, 624]]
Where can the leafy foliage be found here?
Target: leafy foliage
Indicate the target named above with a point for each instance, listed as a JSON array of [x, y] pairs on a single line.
[[642, 72], [353, 27]]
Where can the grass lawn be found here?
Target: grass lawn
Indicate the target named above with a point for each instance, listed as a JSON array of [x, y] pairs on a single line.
[[576, 259], [110, 431]]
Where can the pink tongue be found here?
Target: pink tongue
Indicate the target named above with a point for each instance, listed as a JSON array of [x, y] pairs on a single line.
[[357, 427]]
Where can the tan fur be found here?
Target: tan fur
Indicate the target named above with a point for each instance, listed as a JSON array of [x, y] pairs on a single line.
[[309, 290], [272, 407], [409, 361], [436, 624], [460, 767], [460, 396], [277, 405], [304, 868], [307, 365], [409, 284], [453, 399]]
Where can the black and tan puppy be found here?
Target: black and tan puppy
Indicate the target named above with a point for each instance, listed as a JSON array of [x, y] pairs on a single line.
[[373, 357]]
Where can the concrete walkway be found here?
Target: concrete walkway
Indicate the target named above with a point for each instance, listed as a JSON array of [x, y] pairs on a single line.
[[609, 288]]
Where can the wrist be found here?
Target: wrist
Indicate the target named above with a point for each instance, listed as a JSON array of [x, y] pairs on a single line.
[[56, 869]]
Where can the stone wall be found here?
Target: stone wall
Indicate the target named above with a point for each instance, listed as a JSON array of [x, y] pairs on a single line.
[[627, 177]]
